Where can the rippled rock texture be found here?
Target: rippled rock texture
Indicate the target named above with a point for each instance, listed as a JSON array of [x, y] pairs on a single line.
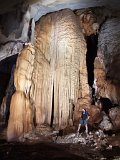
[[50, 78], [21, 113], [107, 63], [61, 67]]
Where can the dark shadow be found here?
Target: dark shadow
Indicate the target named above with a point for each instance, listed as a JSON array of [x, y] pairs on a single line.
[[6, 81], [106, 104], [44, 151], [52, 113], [111, 154], [92, 42]]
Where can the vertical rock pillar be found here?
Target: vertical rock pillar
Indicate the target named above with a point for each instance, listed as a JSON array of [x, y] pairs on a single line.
[[60, 60], [20, 119]]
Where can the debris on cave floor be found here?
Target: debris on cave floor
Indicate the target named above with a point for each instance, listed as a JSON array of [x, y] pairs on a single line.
[[44, 142], [96, 139], [40, 133]]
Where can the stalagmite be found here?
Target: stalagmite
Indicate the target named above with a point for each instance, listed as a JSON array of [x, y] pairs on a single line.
[[61, 67], [20, 119]]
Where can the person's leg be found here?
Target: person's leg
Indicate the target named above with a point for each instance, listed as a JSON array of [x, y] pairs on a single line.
[[86, 129], [78, 130], [79, 127]]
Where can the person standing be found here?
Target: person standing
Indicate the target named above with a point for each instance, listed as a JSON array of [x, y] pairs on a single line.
[[83, 120]]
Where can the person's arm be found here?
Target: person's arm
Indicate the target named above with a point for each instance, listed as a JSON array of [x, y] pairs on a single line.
[[88, 116]]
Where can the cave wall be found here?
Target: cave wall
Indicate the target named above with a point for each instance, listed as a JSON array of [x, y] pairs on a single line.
[[6, 85], [108, 60], [15, 27]]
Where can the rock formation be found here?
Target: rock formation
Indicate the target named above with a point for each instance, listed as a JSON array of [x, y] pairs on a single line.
[[106, 125], [60, 55], [96, 116], [114, 115], [21, 119], [107, 62], [48, 80], [88, 22]]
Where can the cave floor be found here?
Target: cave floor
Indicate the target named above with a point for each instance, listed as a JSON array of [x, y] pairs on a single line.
[[53, 151], [45, 149]]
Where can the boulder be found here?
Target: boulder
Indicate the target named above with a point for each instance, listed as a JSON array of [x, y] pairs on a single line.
[[106, 125], [114, 115], [96, 115]]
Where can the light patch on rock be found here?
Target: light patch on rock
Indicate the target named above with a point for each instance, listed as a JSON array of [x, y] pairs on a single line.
[[106, 124]]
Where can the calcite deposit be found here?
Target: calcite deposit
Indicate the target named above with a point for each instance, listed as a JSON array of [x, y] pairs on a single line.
[[21, 115], [60, 55]]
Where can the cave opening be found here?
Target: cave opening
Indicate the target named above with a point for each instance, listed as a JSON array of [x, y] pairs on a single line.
[[6, 86], [92, 42], [52, 112]]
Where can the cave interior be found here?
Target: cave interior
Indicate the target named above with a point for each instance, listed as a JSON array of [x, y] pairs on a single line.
[[57, 58]]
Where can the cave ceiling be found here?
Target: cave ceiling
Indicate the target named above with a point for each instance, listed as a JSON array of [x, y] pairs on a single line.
[[47, 6]]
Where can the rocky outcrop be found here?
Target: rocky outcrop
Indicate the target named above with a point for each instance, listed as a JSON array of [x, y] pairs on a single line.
[[107, 62], [15, 27], [88, 22], [114, 115], [106, 125], [107, 67], [92, 18], [96, 116]]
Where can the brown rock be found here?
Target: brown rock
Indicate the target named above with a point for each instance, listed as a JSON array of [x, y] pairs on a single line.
[[16, 119], [95, 116], [107, 62], [106, 124], [21, 119], [114, 141], [60, 67], [88, 22], [115, 117], [49, 77]]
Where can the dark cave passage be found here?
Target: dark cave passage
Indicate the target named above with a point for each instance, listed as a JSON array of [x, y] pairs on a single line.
[[106, 104], [92, 42], [6, 83], [52, 113]]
